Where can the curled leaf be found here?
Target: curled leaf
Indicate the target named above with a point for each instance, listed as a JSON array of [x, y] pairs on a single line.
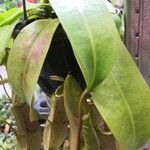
[[27, 56]]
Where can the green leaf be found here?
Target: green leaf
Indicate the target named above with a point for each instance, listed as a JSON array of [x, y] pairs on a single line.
[[14, 14], [10, 16], [89, 139], [27, 56], [123, 100], [8, 20], [56, 127], [90, 28], [5, 35]]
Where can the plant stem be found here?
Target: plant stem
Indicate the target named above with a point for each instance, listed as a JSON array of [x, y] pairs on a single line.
[[24, 9], [80, 118]]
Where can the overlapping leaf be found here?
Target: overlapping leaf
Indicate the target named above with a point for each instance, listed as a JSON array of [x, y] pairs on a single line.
[[118, 90], [123, 100], [27, 56], [85, 24]]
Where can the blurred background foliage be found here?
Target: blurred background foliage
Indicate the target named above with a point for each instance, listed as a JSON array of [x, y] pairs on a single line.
[[7, 125], [8, 4]]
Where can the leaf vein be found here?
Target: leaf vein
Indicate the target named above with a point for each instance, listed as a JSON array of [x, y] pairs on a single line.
[[92, 45]]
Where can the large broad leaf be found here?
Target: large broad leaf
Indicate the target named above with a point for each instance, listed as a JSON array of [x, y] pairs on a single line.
[[27, 56], [56, 128], [89, 139], [124, 101], [123, 98], [86, 23]]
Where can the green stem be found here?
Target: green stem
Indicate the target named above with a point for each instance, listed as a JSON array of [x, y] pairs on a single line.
[[80, 118]]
